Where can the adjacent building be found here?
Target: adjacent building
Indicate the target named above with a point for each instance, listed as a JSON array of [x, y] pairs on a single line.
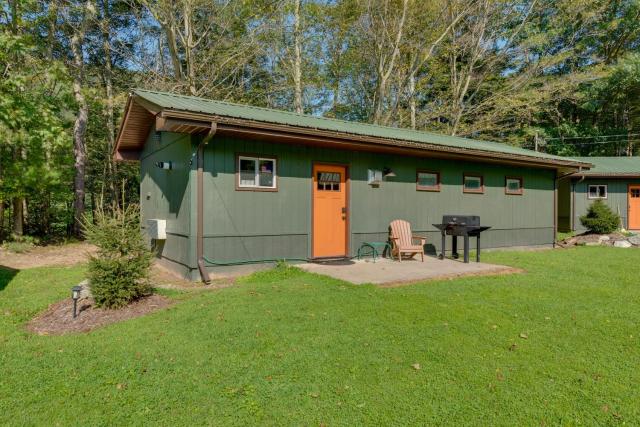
[[614, 180]]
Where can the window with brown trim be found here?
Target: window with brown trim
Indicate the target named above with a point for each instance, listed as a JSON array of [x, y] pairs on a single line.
[[427, 181], [513, 185], [598, 191], [473, 183], [256, 173]]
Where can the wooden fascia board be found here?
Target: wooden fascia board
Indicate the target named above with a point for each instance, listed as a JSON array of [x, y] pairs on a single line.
[[364, 143], [123, 123], [152, 108], [609, 176]]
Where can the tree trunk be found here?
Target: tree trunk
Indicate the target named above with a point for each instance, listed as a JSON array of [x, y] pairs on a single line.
[[108, 84], [386, 67], [18, 218], [1, 220], [412, 98], [188, 48], [1, 203], [80, 125], [297, 61], [51, 32]]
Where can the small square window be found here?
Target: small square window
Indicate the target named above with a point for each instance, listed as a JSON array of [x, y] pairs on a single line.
[[473, 184], [597, 192], [635, 193], [256, 173], [427, 181], [513, 186]]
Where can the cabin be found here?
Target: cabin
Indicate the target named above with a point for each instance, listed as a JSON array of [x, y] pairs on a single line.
[[224, 185], [614, 180]]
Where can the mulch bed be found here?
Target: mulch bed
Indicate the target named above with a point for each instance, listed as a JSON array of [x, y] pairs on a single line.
[[58, 318]]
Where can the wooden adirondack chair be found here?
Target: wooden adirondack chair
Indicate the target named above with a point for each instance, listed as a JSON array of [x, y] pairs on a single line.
[[403, 242]]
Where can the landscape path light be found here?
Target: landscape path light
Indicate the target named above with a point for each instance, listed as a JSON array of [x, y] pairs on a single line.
[[75, 295]]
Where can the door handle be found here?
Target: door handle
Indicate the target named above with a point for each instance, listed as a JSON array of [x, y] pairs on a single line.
[[344, 210]]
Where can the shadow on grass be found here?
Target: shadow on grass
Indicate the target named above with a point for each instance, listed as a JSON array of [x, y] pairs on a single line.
[[6, 275]]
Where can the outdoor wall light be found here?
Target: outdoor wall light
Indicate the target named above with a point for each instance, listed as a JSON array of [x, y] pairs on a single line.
[[388, 173], [75, 295], [165, 165]]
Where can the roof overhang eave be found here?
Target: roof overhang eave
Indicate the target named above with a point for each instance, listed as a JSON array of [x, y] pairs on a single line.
[[236, 124], [130, 151], [608, 175]]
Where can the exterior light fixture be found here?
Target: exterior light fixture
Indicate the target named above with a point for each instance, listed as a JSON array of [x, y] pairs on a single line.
[[388, 173], [75, 295], [164, 165]]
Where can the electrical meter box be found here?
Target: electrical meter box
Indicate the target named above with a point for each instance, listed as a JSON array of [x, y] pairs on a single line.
[[157, 228]]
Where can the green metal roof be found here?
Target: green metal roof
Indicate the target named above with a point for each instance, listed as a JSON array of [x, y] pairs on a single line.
[[247, 112], [625, 166]]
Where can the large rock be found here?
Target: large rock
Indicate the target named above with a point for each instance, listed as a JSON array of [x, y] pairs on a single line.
[[634, 240], [86, 290], [604, 238], [622, 244]]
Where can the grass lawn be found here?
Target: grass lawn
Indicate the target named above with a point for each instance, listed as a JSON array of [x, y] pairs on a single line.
[[291, 348]]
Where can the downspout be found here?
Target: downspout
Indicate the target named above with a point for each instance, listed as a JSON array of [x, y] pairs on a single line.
[[204, 274], [556, 179], [573, 202], [555, 207]]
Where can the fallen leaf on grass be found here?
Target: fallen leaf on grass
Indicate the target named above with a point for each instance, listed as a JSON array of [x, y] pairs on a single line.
[[120, 386], [513, 347], [314, 395], [416, 366], [524, 336], [499, 375]]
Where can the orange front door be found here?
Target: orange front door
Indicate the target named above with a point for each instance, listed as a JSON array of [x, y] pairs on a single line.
[[634, 207], [329, 211]]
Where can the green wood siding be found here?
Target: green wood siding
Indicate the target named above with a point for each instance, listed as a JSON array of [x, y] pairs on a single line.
[[166, 194], [616, 197], [257, 225]]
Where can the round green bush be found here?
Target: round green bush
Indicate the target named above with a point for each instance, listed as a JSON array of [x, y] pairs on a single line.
[[600, 219]]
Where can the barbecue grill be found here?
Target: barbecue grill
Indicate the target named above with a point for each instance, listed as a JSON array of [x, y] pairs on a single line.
[[460, 225]]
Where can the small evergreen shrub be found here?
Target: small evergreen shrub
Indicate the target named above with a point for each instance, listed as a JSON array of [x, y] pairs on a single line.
[[600, 218], [119, 272]]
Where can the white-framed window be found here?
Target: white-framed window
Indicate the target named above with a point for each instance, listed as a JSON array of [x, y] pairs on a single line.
[[257, 173], [598, 191]]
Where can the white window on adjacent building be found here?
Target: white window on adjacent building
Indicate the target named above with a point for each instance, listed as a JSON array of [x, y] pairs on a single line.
[[597, 191], [256, 173]]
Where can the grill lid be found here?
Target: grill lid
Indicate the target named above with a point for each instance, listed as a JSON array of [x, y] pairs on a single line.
[[468, 220]]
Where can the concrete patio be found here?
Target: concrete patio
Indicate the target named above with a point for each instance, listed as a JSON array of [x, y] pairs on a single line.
[[387, 272]]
